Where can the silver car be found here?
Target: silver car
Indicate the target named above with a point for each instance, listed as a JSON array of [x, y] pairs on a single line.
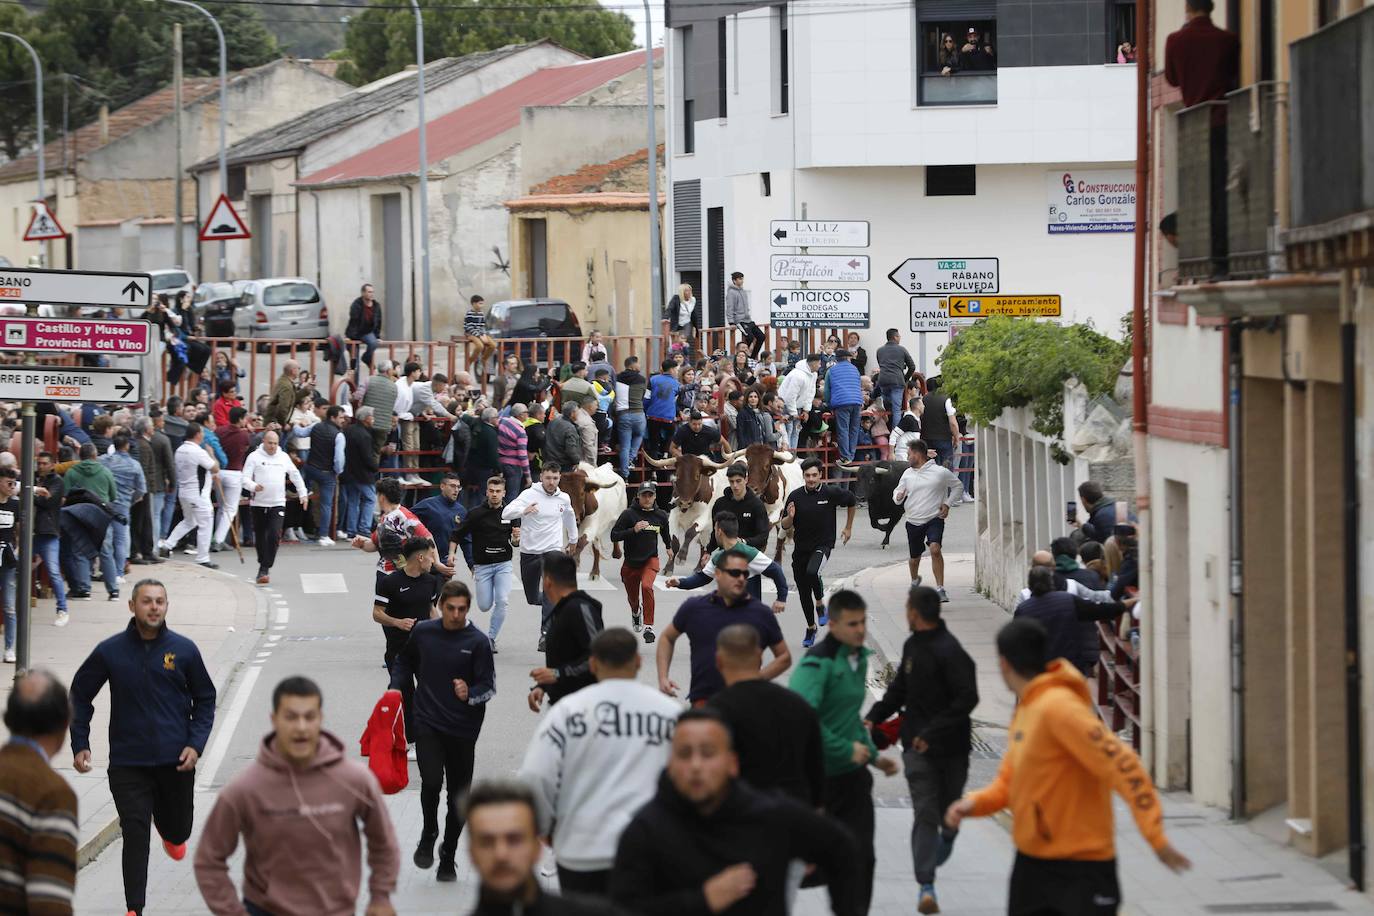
[[282, 307]]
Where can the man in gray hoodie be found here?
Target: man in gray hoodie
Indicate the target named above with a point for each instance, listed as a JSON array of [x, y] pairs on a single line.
[[737, 313]]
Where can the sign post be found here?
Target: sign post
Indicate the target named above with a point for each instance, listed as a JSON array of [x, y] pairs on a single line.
[[65, 384], [1047, 306], [817, 307], [798, 233], [843, 268], [36, 286], [943, 276], [62, 335]]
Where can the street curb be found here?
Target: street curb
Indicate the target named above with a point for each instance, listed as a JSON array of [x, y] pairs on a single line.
[[230, 658]]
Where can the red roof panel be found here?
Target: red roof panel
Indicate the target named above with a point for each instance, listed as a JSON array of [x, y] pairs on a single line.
[[475, 123]]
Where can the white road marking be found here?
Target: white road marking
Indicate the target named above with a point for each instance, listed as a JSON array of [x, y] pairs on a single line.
[[219, 745], [323, 583], [283, 614], [598, 585]]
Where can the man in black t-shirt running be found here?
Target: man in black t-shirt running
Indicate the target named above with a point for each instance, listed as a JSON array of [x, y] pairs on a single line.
[[404, 598], [809, 514]]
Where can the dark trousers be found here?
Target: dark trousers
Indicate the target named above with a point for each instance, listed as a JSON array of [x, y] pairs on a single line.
[[143, 797], [267, 524], [935, 784], [589, 883], [660, 434], [806, 576], [532, 579], [141, 528], [407, 689], [1050, 887], [754, 335], [444, 759], [849, 799]]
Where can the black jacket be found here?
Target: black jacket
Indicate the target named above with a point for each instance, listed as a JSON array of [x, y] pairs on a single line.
[[670, 850], [751, 514], [1101, 523], [748, 428], [360, 461], [490, 535], [46, 509], [641, 546], [546, 904], [777, 738], [562, 444], [935, 688], [573, 625], [357, 327], [1068, 619]]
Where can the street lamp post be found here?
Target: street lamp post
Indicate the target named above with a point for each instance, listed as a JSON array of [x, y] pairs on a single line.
[[655, 265], [223, 110], [38, 93], [425, 326]]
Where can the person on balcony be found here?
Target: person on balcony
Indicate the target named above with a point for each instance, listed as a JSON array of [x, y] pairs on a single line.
[[1202, 60], [976, 53]]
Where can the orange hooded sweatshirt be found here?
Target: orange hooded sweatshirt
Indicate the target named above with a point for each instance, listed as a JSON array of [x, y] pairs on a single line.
[[1059, 771]]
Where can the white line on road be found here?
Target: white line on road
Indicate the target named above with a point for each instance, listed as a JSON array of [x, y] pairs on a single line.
[[323, 583], [219, 746], [283, 613]]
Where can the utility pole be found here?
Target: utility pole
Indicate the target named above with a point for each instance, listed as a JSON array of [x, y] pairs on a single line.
[[42, 153], [655, 247], [177, 228], [425, 326]]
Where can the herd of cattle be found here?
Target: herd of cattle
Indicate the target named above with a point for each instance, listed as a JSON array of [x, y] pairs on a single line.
[[598, 496]]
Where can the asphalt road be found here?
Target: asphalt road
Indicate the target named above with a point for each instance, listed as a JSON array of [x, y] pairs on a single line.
[[320, 625]]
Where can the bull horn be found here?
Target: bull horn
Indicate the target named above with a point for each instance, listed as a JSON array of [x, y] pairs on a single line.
[[731, 456], [879, 469], [660, 463], [784, 457], [708, 463]]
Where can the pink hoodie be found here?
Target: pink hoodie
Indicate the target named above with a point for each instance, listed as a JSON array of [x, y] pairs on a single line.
[[300, 830]]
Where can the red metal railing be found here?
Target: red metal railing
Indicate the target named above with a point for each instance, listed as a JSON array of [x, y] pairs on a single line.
[[1118, 681]]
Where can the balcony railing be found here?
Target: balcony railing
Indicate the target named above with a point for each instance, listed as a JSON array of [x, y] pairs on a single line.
[[959, 89], [1252, 121], [1333, 129], [1202, 212]]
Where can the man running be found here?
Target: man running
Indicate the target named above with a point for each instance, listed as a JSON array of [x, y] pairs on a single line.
[[589, 782], [746, 506], [452, 661], [1057, 778], [833, 678], [726, 534], [162, 706], [547, 526], [265, 474], [935, 688], [573, 624], [196, 474], [492, 538], [301, 786], [404, 598], [923, 493], [810, 514], [702, 619], [235, 441], [396, 525], [641, 526]]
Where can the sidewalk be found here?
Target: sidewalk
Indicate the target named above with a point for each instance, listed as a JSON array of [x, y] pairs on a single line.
[[220, 613], [1235, 869]]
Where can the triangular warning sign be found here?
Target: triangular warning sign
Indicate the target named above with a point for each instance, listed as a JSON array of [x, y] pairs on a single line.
[[224, 223], [43, 225]]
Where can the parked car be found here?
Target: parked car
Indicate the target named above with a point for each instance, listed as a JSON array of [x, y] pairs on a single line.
[[215, 304], [519, 319], [281, 307], [171, 281]]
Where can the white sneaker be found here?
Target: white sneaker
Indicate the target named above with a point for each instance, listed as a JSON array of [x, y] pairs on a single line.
[[410, 752], [340, 536], [10, 657], [63, 618], [325, 542], [119, 580]]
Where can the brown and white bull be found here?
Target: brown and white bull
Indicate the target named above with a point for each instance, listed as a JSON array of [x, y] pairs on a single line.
[[772, 475], [598, 498], [697, 482]]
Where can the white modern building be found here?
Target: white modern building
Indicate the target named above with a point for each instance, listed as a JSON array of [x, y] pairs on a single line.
[[821, 112]]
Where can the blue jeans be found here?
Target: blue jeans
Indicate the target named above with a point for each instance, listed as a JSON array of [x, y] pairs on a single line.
[[893, 395], [114, 552], [515, 475], [164, 509], [370, 346], [846, 429], [358, 504], [965, 461], [7, 586], [493, 582], [632, 427], [794, 425], [944, 451], [48, 548], [323, 484]]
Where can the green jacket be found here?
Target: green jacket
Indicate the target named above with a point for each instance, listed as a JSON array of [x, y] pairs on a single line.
[[92, 476], [838, 692]]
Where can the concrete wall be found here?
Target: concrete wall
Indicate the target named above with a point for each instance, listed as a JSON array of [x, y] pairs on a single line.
[[136, 245], [599, 134], [16, 210]]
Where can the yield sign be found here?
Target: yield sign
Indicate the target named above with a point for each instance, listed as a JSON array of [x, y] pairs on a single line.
[[43, 225], [224, 223]]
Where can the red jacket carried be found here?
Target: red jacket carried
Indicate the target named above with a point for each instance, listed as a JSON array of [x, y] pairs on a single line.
[[384, 743]]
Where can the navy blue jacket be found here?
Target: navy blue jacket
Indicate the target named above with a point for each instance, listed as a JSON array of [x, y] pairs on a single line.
[[441, 516], [435, 656], [161, 697]]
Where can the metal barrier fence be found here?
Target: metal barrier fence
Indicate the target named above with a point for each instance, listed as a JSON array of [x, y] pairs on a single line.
[[1118, 681]]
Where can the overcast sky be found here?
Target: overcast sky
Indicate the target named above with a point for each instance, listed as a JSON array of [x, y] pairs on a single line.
[[636, 13]]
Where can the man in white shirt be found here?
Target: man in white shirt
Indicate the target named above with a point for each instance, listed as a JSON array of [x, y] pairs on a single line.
[[796, 391], [264, 476], [196, 474], [547, 525], [923, 493], [596, 759], [405, 418]]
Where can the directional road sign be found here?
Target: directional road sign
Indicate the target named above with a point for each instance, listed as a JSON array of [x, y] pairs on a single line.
[[942, 276], [845, 268], [67, 383], [77, 335], [75, 287], [224, 223], [929, 315], [1021, 306], [43, 225], [819, 308], [818, 233]]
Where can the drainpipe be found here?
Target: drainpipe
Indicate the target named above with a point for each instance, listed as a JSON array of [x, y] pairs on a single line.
[[424, 253], [1233, 434], [1351, 485]]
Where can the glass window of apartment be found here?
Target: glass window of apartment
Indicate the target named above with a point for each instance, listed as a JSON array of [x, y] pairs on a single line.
[[782, 89], [958, 62], [689, 107], [1121, 31]]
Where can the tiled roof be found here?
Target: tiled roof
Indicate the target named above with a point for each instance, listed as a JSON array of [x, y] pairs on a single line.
[[482, 120], [609, 200], [124, 121], [628, 173], [294, 135]]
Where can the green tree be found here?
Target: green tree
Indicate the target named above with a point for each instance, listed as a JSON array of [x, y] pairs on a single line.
[[382, 41]]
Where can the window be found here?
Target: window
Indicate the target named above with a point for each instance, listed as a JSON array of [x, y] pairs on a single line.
[[689, 119], [1121, 31], [766, 183], [951, 181], [1328, 11], [173, 279], [721, 87], [781, 66], [237, 181], [290, 294], [958, 64]]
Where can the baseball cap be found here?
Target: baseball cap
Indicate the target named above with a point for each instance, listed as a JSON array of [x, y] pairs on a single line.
[[972, 30], [647, 487]]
